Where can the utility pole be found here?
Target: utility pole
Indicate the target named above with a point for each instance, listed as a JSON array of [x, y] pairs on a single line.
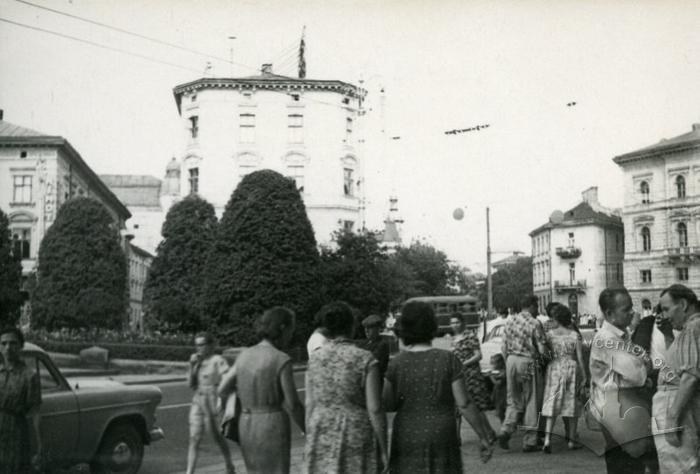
[[489, 285], [232, 39]]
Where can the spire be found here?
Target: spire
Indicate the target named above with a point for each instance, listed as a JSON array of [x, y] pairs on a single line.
[[302, 60]]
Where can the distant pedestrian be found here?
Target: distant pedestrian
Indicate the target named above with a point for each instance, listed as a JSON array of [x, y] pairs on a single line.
[[264, 383], [20, 399], [467, 349], [206, 369], [565, 376], [374, 342], [677, 400], [347, 431], [423, 385], [523, 348], [499, 392]]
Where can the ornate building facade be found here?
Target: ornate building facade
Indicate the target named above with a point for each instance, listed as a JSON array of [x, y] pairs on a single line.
[[577, 254], [662, 216]]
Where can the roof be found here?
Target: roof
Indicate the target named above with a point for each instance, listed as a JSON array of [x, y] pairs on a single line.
[[135, 190], [268, 81], [12, 135], [686, 141], [582, 214], [509, 260], [138, 250]]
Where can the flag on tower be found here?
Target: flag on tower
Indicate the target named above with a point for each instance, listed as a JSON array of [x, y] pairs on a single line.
[[302, 60]]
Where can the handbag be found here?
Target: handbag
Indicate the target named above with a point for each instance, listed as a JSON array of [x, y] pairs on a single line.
[[229, 422]]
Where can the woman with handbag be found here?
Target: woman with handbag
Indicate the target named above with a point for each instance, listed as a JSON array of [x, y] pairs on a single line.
[[262, 378], [566, 373]]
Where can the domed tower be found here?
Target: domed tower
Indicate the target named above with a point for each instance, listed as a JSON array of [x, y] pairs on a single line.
[[170, 192]]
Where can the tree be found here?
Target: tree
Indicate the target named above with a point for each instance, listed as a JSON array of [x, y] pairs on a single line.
[[173, 294], [10, 275], [357, 271], [82, 272], [511, 283], [264, 255], [430, 268]]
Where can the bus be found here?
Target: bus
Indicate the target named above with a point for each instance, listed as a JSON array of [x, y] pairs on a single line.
[[445, 306]]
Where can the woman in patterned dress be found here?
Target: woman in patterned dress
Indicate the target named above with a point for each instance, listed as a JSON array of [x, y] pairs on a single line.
[[346, 421], [423, 385], [563, 380], [264, 383], [467, 349], [20, 398]]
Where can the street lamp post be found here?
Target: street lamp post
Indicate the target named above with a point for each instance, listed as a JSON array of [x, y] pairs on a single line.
[[489, 283]]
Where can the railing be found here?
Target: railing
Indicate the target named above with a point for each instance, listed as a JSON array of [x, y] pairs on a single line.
[[568, 252], [683, 253], [576, 285]]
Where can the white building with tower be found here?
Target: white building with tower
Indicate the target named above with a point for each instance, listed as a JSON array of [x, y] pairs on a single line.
[[577, 254]]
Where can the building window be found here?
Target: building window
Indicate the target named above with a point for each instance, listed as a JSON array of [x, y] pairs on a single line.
[[682, 234], [348, 187], [296, 174], [618, 272], [646, 239], [571, 239], [646, 276], [22, 189], [194, 180], [644, 191], [21, 242], [572, 273], [22, 154], [244, 170], [617, 242], [247, 128], [348, 225], [295, 127], [682, 274], [348, 129], [194, 126], [194, 98], [295, 97], [680, 186]]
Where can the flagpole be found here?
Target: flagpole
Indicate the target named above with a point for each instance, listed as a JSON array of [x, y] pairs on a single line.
[[302, 59]]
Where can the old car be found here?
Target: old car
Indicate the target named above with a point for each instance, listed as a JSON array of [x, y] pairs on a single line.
[[100, 422]]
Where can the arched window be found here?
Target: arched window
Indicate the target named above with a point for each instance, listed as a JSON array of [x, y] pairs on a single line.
[[644, 190], [646, 239], [682, 230], [680, 186]]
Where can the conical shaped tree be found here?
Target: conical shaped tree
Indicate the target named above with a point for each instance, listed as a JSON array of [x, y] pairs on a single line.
[[82, 273], [10, 275], [265, 255], [173, 291]]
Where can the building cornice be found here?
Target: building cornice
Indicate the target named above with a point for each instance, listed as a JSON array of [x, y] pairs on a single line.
[[657, 152], [75, 159]]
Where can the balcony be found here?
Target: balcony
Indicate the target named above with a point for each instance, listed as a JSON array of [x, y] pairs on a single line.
[[568, 252], [683, 254], [577, 286]]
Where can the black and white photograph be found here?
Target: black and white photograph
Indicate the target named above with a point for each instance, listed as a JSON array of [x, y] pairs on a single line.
[[349, 236]]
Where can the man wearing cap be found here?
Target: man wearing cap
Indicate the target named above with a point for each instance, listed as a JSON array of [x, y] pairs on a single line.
[[374, 343]]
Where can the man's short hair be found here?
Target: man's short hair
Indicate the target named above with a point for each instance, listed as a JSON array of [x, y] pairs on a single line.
[[681, 292], [529, 301], [606, 301]]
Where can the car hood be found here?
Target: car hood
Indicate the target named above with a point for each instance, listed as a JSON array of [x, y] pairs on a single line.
[[93, 382]]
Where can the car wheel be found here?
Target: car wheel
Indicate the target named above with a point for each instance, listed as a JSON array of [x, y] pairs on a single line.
[[121, 451]]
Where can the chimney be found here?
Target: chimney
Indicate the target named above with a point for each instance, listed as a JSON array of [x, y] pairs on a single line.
[[590, 196], [266, 69], [696, 126]]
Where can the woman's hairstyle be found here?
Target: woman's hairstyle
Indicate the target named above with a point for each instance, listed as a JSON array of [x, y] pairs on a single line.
[[272, 323], [337, 319], [562, 315], [550, 307], [417, 323], [498, 361], [206, 335], [13, 330]]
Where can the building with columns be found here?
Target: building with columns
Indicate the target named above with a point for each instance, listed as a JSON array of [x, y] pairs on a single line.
[[306, 129], [576, 254], [662, 216]]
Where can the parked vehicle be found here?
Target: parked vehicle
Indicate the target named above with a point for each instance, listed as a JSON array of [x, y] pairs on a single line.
[[444, 306], [100, 422]]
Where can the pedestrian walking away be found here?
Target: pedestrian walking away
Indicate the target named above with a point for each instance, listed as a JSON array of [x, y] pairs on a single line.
[[262, 378], [206, 370]]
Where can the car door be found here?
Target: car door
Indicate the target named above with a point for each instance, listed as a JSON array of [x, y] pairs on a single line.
[[59, 411]]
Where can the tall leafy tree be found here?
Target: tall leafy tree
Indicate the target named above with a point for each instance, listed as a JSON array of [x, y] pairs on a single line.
[[82, 272], [356, 270], [10, 275], [430, 268], [264, 255], [174, 288], [511, 283]]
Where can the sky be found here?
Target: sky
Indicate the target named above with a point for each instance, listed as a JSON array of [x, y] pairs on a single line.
[[631, 67]]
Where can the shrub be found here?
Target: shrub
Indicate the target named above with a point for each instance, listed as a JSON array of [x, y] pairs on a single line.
[[10, 275]]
